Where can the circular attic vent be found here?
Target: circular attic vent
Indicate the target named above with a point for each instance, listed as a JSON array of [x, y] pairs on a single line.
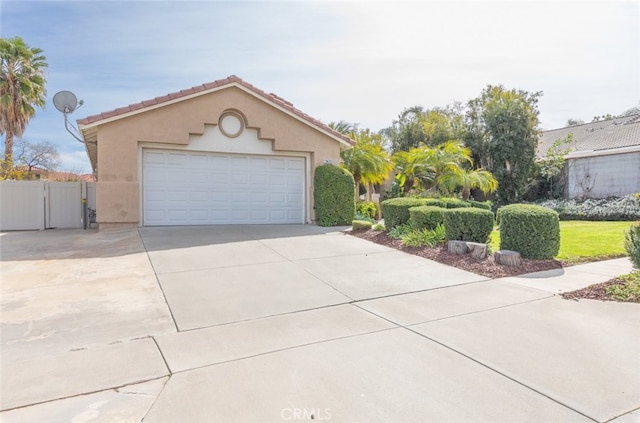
[[231, 124]]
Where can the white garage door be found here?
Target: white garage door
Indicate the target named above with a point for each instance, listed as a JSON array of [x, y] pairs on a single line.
[[186, 188]]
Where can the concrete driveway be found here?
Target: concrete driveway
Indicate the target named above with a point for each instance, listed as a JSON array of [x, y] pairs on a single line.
[[298, 323]]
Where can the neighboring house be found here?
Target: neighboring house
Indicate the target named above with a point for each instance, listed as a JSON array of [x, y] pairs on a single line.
[[605, 157], [220, 153], [32, 173]]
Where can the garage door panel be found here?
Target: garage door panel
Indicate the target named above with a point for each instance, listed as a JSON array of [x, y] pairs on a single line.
[[177, 160], [277, 164], [176, 196], [199, 161], [199, 177], [295, 165], [199, 196], [276, 180], [259, 164], [184, 188]]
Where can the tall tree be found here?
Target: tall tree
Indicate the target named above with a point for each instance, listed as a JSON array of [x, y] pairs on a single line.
[[22, 88], [503, 131], [441, 125], [406, 131]]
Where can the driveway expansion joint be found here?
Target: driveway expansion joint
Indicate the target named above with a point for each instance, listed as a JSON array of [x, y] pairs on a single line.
[[501, 373]]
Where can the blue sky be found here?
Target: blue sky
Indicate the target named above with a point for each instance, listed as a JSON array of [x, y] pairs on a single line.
[[356, 61]]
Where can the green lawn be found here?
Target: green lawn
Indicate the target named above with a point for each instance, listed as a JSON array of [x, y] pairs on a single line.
[[586, 241]]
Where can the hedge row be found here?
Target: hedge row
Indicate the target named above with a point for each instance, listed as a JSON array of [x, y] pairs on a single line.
[[462, 224], [396, 210]]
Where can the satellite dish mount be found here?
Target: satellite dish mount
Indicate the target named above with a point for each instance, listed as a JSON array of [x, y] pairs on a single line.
[[66, 102]]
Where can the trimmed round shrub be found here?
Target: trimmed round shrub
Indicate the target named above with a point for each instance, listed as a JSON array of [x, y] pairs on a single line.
[[531, 230], [632, 243], [486, 205], [426, 217], [333, 195], [396, 210], [436, 202], [468, 224], [454, 203], [361, 225]]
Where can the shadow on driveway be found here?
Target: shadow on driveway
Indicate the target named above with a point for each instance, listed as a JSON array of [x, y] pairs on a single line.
[[168, 238]]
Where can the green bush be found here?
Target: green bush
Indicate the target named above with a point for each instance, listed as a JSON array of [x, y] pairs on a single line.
[[454, 203], [367, 208], [531, 230], [424, 237], [486, 205], [333, 195], [468, 224], [426, 217], [361, 225], [632, 243], [436, 202], [396, 210]]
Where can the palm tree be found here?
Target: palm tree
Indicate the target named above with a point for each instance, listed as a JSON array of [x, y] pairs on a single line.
[[469, 179], [413, 167], [367, 161], [344, 127], [22, 87]]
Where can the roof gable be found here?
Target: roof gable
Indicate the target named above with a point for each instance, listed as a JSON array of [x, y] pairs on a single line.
[[182, 95]]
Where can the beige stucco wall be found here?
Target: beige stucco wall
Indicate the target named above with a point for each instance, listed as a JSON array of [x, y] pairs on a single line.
[[118, 188]]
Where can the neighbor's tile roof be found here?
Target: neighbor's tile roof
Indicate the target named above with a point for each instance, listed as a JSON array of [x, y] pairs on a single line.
[[596, 136], [271, 97]]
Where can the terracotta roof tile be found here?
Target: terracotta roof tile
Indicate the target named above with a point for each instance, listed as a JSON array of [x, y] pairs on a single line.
[[274, 98], [136, 106], [145, 103]]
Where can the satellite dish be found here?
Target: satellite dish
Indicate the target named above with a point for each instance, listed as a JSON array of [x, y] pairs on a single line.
[[65, 101]]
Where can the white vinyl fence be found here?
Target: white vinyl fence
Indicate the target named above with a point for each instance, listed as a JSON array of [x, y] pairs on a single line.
[[33, 205]]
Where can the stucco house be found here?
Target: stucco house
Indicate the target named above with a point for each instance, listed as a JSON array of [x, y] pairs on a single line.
[[224, 152], [605, 157]]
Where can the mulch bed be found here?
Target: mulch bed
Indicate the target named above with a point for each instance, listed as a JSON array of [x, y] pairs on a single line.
[[485, 267], [593, 292]]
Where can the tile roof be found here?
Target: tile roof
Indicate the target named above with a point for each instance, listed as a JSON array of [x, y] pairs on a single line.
[[231, 80], [609, 134]]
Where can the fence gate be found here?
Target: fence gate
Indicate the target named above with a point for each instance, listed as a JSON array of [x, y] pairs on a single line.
[[28, 205], [21, 205]]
